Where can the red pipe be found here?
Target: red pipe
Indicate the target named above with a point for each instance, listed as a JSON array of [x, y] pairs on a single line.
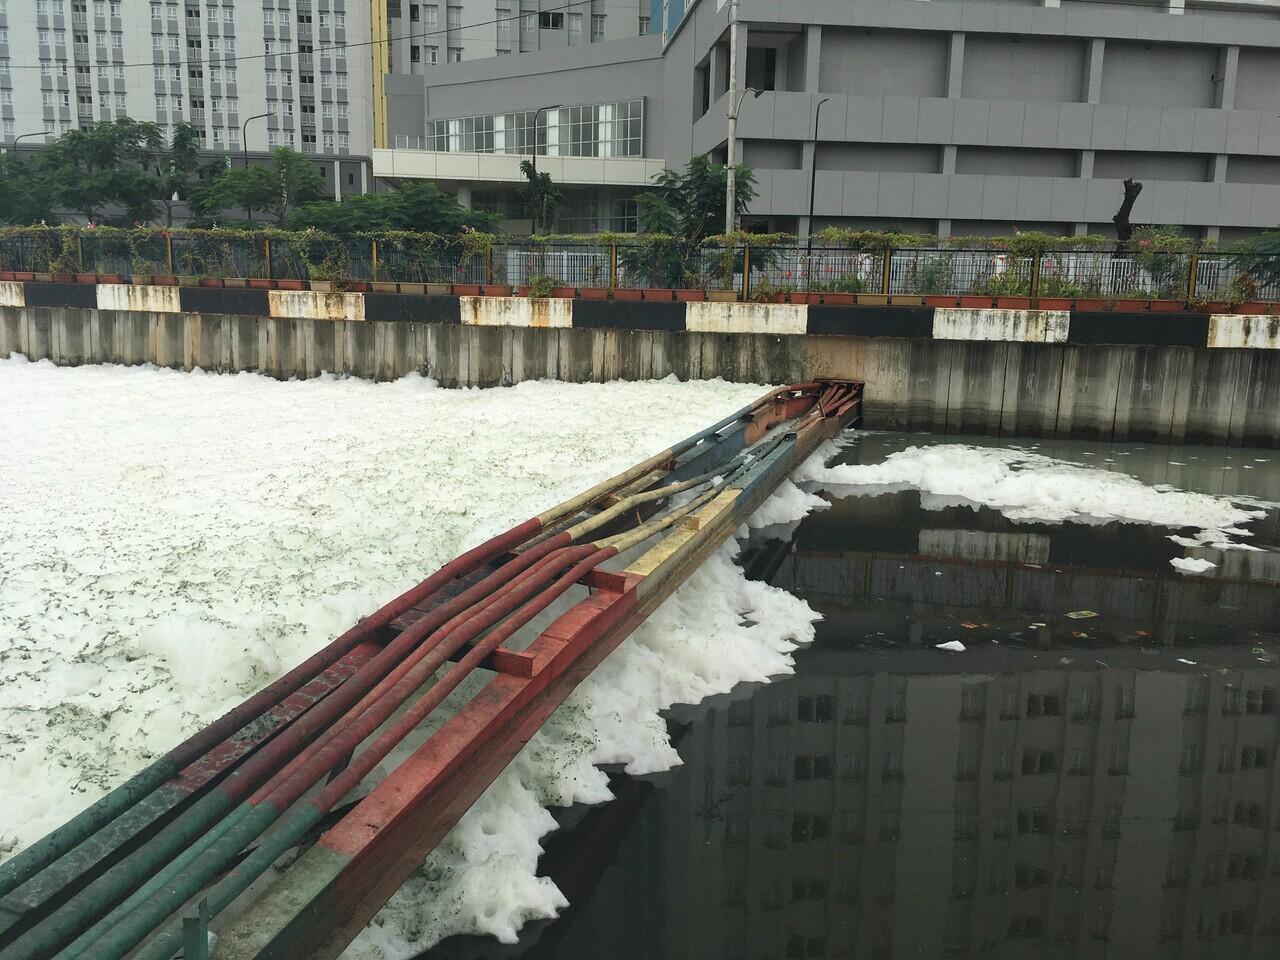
[[245, 779], [360, 767], [387, 683], [200, 743], [335, 747]]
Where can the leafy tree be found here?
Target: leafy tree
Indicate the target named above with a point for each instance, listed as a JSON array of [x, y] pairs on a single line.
[[92, 170], [286, 183], [678, 215], [690, 205], [25, 196], [414, 206], [1258, 258], [176, 168], [541, 197]]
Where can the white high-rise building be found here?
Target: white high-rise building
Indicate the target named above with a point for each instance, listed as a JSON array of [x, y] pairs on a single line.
[[248, 74]]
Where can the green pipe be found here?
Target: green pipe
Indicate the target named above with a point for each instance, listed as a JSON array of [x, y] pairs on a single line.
[[69, 920], [152, 887], [132, 928], [286, 835], [17, 870]]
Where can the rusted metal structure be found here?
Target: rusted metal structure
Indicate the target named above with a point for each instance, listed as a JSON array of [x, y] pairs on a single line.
[[140, 872]]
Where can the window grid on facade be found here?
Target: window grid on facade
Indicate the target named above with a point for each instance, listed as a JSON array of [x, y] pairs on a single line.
[[599, 130]]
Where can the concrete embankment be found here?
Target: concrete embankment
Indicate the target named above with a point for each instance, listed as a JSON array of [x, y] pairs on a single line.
[[1175, 377]]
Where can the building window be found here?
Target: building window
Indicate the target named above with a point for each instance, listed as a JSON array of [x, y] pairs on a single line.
[[600, 130], [455, 54], [273, 138], [575, 28], [268, 18], [233, 137], [454, 21], [597, 27], [551, 21], [430, 16], [415, 13], [644, 26], [415, 56], [328, 141], [340, 21], [344, 141]]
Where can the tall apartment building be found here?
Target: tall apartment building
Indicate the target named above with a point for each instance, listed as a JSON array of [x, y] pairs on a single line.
[[425, 34], [416, 37], [273, 72], [948, 116]]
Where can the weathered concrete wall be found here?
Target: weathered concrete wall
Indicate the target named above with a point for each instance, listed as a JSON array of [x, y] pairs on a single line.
[[1171, 392]]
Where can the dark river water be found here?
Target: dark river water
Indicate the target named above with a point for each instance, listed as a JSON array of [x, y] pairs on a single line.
[[1098, 786]]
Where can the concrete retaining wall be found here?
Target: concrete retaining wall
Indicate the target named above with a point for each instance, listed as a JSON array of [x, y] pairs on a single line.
[[1156, 377]]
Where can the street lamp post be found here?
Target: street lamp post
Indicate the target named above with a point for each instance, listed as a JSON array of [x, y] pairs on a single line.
[[39, 133], [731, 144], [813, 182], [731, 193], [533, 156], [244, 149], [534, 148]]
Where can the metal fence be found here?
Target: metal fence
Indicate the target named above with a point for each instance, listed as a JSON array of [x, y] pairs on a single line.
[[761, 271]]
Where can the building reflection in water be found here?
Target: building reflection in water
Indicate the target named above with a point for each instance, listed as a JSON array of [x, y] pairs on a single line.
[[1044, 796]]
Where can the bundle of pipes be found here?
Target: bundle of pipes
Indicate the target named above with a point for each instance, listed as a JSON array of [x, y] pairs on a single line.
[[216, 812]]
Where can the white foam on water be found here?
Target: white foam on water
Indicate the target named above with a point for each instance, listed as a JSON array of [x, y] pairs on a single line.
[[1192, 564], [173, 541], [1030, 487]]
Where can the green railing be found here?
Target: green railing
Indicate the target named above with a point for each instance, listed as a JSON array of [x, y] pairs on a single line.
[[750, 269]]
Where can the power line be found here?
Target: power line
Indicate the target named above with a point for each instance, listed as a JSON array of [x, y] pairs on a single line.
[[1155, 7], [223, 61]]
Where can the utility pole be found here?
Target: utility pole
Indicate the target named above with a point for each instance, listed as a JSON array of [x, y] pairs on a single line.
[[244, 146], [731, 194], [813, 174]]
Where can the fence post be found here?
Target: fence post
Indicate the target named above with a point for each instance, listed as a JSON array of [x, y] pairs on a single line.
[[168, 251], [80, 250], [488, 265], [613, 266], [266, 252], [884, 272], [1035, 278], [373, 259], [1193, 269], [746, 272]]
